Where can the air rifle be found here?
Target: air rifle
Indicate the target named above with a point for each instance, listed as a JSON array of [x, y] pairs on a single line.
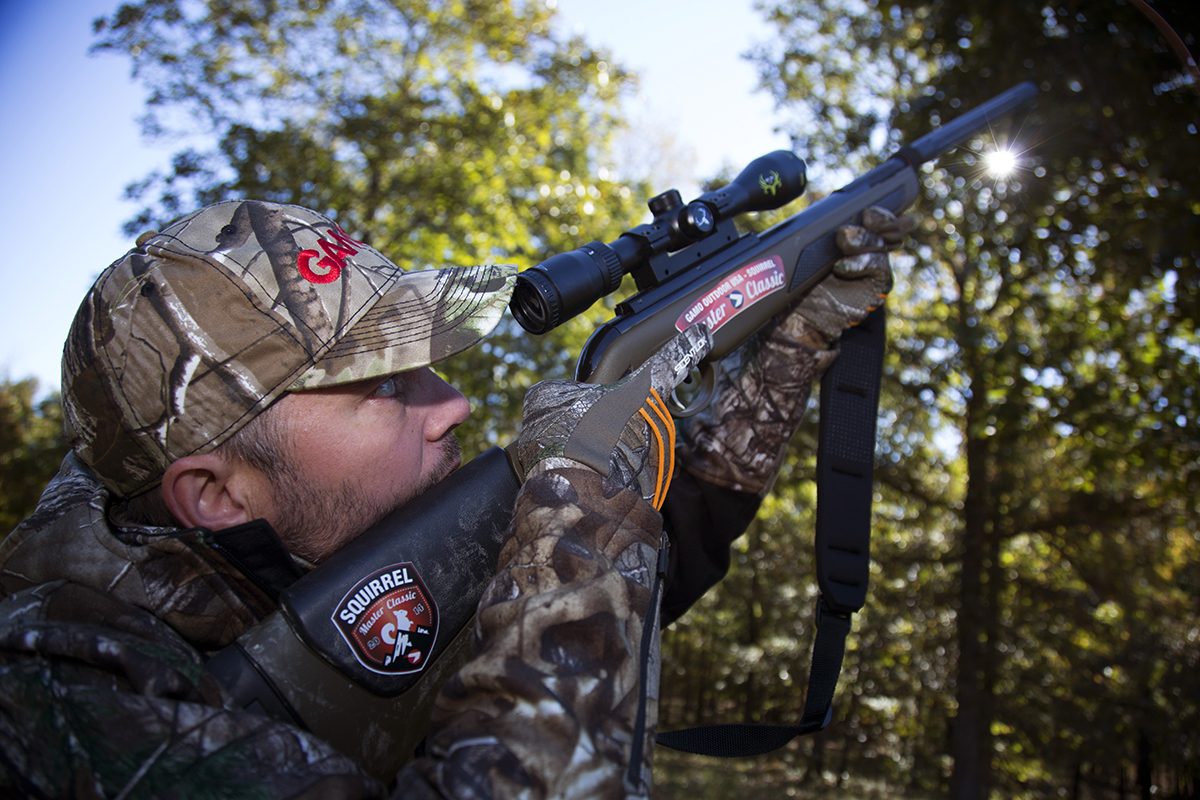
[[361, 644], [690, 264]]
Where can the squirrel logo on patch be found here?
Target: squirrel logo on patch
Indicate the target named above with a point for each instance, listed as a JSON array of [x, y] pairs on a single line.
[[389, 620]]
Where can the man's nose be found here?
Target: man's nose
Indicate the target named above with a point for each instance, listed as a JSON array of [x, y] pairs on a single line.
[[448, 408]]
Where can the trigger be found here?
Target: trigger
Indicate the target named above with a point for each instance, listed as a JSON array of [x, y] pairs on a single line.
[[696, 392]]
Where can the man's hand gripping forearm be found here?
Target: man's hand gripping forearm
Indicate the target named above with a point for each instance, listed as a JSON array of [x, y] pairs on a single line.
[[739, 441], [557, 696]]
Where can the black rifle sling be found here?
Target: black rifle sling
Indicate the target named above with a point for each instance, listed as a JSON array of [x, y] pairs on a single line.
[[845, 475]]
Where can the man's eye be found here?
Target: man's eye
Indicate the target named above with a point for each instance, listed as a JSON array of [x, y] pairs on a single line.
[[388, 388]]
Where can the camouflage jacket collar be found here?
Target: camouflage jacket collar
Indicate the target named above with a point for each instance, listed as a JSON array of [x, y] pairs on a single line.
[[210, 587]]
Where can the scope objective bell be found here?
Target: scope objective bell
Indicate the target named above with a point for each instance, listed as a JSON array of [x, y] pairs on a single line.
[[564, 286]]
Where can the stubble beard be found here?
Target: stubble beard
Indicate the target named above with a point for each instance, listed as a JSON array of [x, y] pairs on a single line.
[[315, 522]]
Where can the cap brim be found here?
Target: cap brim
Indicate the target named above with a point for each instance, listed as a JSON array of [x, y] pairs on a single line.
[[423, 318]]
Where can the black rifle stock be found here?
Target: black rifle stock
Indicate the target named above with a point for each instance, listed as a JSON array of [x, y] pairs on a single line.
[[690, 265]]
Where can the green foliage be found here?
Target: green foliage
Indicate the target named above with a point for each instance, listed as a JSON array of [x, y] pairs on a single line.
[[1031, 625], [443, 133], [32, 446]]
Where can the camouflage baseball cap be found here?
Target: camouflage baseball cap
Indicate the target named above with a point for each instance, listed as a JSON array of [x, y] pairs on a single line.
[[203, 325]]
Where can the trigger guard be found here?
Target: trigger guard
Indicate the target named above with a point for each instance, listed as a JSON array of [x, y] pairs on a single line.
[[704, 396]]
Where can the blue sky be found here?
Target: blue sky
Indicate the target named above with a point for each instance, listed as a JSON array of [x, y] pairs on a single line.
[[69, 140]]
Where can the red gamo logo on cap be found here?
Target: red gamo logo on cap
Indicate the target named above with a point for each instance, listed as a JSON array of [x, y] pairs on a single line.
[[330, 266], [389, 620]]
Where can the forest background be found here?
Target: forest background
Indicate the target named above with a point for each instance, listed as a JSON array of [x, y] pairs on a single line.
[[1033, 624]]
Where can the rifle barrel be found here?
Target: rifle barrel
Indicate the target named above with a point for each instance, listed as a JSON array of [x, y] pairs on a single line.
[[933, 144]]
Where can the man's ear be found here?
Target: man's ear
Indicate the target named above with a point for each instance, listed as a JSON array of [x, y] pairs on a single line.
[[206, 491]]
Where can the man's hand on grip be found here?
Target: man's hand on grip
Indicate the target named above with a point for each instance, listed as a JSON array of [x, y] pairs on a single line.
[[859, 281], [763, 387], [622, 430]]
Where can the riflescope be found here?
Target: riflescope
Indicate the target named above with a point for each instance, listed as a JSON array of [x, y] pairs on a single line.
[[567, 284]]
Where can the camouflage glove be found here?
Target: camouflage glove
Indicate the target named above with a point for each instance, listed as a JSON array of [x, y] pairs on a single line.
[[763, 387], [858, 283], [622, 430]]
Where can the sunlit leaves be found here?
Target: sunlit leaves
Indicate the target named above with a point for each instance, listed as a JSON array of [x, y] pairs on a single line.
[[32, 446]]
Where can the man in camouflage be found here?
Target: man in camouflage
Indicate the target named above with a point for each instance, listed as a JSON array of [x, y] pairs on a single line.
[[248, 390]]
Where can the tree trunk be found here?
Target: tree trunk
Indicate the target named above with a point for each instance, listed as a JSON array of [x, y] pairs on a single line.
[[971, 745], [815, 770], [1145, 768]]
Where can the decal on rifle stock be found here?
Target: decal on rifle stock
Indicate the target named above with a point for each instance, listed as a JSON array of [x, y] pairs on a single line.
[[389, 620], [737, 292]]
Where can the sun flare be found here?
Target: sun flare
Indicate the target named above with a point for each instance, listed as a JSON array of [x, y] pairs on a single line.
[[1001, 162]]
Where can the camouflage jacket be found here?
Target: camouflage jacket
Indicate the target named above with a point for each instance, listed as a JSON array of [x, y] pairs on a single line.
[[104, 632]]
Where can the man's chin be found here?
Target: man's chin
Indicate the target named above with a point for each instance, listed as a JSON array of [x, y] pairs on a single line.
[[338, 535]]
